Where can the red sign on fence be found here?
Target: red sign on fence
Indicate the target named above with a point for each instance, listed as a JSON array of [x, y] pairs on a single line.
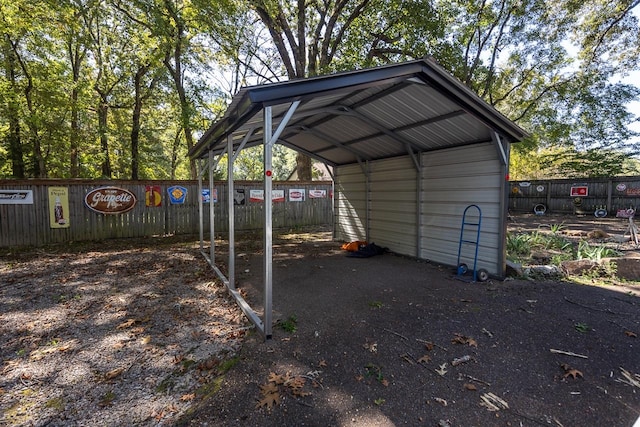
[[580, 191]]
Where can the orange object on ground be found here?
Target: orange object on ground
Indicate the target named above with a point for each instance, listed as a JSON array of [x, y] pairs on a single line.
[[353, 246]]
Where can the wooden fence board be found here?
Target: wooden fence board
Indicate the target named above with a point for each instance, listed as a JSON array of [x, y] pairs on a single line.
[[28, 225], [610, 193]]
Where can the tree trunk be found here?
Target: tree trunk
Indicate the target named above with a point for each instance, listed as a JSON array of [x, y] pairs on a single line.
[[103, 111], [75, 57], [135, 125], [178, 77], [303, 167], [14, 138]]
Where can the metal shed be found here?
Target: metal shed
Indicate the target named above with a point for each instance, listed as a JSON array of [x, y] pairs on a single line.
[[411, 148]]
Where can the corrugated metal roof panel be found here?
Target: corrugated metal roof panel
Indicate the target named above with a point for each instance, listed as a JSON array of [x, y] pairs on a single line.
[[365, 114]]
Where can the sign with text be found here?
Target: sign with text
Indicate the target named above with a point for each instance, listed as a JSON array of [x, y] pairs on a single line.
[[258, 195], [580, 191], [58, 207], [317, 194], [296, 194], [110, 200], [16, 197], [177, 194], [209, 195]]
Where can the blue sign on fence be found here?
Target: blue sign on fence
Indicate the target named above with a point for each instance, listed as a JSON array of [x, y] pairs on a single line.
[[177, 194]]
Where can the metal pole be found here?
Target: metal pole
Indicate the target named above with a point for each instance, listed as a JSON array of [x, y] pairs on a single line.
[[367, 201], [212, 239], [419, 200], [200, 207], [231, 273], [268, 217]]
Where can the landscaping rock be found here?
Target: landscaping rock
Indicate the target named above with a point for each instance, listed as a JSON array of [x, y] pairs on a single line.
[[627, 268], [514, 269], [543, 270], [579, 267]]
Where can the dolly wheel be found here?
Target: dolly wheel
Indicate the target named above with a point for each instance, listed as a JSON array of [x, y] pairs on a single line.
[[483, 275], [462, 269]]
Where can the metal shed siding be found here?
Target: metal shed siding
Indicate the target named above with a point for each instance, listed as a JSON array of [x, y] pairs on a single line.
[[350, 200], [392, 211], [452, 180]]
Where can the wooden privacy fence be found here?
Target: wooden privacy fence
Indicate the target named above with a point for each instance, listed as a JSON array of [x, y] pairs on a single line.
[[29, 209], [579, 196]]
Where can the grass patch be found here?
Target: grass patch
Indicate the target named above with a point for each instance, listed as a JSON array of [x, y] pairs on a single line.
[[56, 403], [375, 304], [289, 325]]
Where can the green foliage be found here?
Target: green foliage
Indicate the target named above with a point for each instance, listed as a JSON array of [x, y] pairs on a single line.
[[375, 371], [289, 325], [518, 246], [582, 327], [594, 252], [553, 67]]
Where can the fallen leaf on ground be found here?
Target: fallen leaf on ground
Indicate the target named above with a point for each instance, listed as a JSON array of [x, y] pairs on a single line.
[[126, 324], [471, 387], [269, 400], [442, 370], [322, 363], [113, 373], [461, 339], [188, 397], [276, 378], [268, 388], [296, 382], [429, 345], [630, 334], [570, 372], [372, 347], [425, 359]]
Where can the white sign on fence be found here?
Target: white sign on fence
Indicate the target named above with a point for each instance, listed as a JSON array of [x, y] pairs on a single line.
[[16, 197]]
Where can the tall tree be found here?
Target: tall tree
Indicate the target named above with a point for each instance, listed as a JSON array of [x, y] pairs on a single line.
[[108, 51], [314, 37], [12, 108], [69, 17]]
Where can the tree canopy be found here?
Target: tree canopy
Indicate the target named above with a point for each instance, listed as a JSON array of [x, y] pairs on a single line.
[[123, 88]]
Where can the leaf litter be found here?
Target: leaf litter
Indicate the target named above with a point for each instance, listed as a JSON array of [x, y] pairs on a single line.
[[119, 333]]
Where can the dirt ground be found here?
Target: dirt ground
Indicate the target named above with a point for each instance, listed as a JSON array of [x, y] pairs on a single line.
[[382, 341]]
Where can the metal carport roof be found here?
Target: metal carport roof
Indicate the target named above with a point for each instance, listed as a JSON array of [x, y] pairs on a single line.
[[363, 115], [341, 119]]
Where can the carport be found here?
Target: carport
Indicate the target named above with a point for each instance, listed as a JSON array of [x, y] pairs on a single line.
[[411, 148]]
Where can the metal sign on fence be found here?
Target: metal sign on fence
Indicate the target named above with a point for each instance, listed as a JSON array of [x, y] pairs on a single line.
[[580, 191], [110, 200], [16, 197], [59, 207]]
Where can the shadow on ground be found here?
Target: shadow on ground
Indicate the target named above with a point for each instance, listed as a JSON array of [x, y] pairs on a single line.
[[389, 341]]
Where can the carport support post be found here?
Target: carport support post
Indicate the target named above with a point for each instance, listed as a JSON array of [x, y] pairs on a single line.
[[200, 207], [268, 218], [232, 256], [212, 240]]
